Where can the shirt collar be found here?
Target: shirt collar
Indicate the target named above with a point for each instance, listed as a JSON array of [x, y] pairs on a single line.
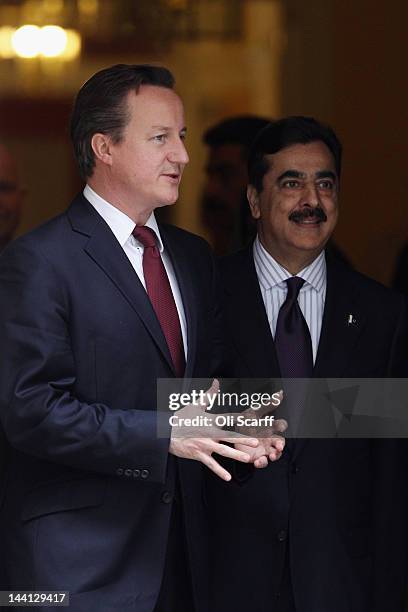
[[121, 225], [271, 273]]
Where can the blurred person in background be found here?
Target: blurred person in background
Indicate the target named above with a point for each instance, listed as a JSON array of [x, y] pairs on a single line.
[[224, 207]]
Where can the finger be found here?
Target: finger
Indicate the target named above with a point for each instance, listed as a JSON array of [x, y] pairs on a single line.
[[261, 462], [249, 450], [215, 387], [213, 390], [274, 455], [231, 453], [234, 437], [278, 442], [215, 467], [273, 441], [280, 425]]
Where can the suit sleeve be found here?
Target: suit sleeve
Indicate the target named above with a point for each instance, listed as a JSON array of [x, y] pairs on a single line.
[[39, 410], [390, 501]]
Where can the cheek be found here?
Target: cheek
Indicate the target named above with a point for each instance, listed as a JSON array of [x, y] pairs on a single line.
[[332, 209]]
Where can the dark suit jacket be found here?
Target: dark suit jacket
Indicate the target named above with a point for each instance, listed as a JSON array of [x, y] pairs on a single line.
[[89, 484], [338, 505]]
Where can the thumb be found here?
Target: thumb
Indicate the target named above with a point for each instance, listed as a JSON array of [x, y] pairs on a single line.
[[210, 393]]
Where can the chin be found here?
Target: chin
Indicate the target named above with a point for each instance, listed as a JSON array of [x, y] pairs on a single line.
[[169, 198]]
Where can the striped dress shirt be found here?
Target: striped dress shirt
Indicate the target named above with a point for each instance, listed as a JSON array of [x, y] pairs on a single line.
[[272, 277]]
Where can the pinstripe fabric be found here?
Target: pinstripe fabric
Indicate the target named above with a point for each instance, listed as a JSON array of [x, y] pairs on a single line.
[[272, 276]]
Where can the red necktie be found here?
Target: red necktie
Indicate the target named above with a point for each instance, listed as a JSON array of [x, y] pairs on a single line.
[[161, 296]]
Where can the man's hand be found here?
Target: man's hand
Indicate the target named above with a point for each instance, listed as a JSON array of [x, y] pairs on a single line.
[[268, 449], [271, 444], [202, 448]]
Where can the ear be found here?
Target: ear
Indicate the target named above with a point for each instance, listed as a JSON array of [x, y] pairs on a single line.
[[253, 199], [101, 146]]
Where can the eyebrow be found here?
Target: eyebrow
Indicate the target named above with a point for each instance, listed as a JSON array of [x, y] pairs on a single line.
[[291, 174], [302, 175], [165, 128], [326, 174]]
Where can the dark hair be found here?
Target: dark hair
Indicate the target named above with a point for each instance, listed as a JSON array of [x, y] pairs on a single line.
[[100, 106], [286, 132], [235, 130]]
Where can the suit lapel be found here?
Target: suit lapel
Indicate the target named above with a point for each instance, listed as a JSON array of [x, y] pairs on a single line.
[[107, 253], [342, 324], [246, 311]]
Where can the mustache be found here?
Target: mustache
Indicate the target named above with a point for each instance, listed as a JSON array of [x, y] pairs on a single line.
[[308, 213]]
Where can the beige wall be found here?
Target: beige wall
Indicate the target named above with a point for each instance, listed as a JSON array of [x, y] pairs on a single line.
[[345, 64], [339, 60]]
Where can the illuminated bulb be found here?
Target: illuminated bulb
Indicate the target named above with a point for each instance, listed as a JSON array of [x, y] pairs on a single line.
[[53, 41], [26, 41], [73, 47], [6, 48]]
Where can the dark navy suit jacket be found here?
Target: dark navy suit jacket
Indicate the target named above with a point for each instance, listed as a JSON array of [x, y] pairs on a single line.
[[89, 485], [337, 505]]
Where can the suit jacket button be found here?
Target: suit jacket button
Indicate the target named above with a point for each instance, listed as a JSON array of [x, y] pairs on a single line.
[[136, 473], [145, 473], [119, 472], [282, 535], [166, 497], [128, 472], [295, 468]]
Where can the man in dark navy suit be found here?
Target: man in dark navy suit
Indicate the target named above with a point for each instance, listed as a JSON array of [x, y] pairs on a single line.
[[324, 528], [96, 305]]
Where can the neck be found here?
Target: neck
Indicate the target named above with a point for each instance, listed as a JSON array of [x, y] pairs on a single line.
[[104, 190], [293, 263]]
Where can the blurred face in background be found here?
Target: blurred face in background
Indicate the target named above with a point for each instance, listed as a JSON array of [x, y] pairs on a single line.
[[224, 194]]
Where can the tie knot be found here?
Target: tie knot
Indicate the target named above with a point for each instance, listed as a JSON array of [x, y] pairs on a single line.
[[145, 235], [294, 283]]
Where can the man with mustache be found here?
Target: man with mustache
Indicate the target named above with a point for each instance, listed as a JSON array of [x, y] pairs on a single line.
[[324, 528]]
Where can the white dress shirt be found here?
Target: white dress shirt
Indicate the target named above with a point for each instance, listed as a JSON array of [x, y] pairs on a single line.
[[122, 227], [312, 295]]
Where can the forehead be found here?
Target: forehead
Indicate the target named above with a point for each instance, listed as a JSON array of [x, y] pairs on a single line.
[[306, 158], [155, 106]]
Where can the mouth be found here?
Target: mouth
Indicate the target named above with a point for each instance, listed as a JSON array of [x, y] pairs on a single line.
[[174, 177]]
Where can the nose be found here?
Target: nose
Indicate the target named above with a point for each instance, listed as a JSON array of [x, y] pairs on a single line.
[[178, 153], [311, 196]]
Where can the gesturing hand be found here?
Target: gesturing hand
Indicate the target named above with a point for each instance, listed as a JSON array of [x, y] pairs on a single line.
[[271, 443], [201, 448]]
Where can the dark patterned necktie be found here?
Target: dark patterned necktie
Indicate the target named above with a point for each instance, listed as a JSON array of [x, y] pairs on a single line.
[[160, 294], [295, 356], [292, 338]]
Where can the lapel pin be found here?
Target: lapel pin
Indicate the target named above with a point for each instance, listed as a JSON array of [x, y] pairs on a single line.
[[351, 320]]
